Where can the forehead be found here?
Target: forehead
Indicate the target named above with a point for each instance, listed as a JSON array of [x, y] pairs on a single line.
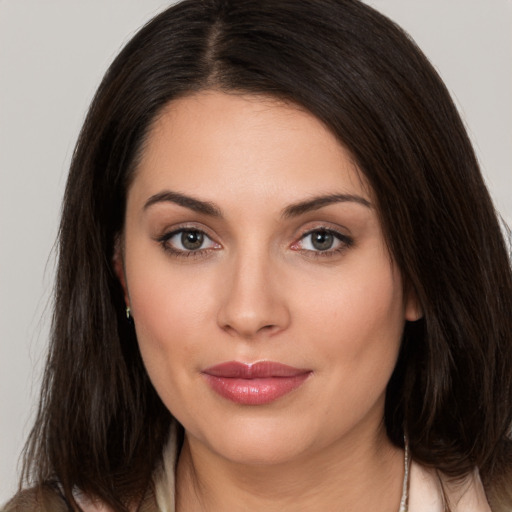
[[214, 142]]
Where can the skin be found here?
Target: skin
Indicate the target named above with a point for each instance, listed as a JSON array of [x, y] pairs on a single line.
[[259, 289]]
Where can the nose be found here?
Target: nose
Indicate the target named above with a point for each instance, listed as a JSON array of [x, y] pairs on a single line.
[[253, 299]]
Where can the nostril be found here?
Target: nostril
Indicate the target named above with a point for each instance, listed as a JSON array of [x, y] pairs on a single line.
[[249, 332]]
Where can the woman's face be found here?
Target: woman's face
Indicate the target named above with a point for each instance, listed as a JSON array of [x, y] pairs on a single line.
[[251, 237]]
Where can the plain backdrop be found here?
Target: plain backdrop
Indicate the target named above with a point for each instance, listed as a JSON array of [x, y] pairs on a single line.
[[52, 56]]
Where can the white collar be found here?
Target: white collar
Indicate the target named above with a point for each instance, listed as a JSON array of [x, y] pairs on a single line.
[[426, 492]]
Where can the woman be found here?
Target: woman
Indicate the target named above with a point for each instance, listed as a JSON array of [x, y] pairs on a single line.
[[281, 279]]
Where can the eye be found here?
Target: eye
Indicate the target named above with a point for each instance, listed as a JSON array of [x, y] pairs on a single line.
[[190, 240], [319, 241], [186, 241], [322, 240]]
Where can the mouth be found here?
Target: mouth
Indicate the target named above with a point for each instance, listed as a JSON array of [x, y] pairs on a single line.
[[254, 384]]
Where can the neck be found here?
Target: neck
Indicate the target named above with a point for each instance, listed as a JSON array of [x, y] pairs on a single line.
[[361, 472]]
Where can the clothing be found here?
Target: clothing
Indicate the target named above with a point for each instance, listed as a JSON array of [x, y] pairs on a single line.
[[425, 492]]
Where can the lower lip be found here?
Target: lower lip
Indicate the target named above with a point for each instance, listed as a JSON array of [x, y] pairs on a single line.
[[255, 391]]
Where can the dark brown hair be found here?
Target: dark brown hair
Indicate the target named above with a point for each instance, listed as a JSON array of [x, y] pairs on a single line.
[[101, 426]]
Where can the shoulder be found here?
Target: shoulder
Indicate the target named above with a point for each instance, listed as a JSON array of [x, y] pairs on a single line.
[[429, 489], [50, 500], [44, 499]]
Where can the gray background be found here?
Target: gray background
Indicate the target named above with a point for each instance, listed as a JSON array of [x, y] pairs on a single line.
[[52, 56]]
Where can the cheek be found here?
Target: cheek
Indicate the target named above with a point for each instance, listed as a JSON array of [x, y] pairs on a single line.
[[358, 321], [170, 306], [170, 315], [357, 326]]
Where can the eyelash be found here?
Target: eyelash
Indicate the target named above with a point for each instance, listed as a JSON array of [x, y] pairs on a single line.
[[345, 243], [179, 253]]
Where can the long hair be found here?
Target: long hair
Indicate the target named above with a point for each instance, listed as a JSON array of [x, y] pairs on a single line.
[[100, 426]]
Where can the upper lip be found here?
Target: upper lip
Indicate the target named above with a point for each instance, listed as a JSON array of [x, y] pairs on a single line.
[[258, 370]]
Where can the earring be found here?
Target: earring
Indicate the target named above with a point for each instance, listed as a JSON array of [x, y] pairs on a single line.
[[128, 312]]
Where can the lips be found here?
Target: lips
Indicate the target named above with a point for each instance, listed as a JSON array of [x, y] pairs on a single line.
[[254, 384]]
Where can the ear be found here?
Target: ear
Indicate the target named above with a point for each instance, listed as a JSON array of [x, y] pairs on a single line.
[[413, 309], [119, 269]]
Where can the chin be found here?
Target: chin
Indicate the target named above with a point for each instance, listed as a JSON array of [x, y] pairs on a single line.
[[266, 441], [262, 452]]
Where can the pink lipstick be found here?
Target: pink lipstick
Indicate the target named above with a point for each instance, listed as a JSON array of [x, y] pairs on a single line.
[[254, 384]]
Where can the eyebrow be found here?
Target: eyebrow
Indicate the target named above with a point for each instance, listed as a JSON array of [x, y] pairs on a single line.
[[293, 210], [167, 196], [296, 209]]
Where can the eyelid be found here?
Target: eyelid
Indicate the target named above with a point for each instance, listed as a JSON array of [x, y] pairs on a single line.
[[172, 229], [345, 240], [168, 234]]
